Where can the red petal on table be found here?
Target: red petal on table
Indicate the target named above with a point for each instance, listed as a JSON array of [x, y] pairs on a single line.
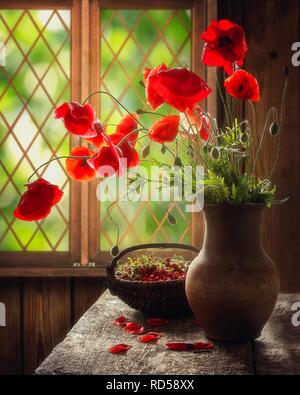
[[119, 348], [179, 346], [157, 322], [149, 337], [120, 321], [134, 328], [202, 346]]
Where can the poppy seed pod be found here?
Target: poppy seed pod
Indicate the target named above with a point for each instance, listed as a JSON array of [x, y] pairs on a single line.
[[244, 138]]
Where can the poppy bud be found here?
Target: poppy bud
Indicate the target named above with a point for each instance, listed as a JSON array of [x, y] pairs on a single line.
[[177, 162], [163, 149], [274, 129], [145, 151], [114, 251], [215, 153], [171, 219]]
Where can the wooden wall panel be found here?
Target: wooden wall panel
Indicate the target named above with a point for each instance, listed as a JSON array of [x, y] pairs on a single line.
[[10, 335], [47, 318], [271, 28], [276, 28], [85, 292]]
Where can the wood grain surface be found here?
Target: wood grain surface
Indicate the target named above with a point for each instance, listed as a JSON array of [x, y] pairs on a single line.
[[84, 351]]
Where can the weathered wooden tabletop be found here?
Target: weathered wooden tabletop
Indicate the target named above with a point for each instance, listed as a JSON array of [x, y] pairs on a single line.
[[84, 350]]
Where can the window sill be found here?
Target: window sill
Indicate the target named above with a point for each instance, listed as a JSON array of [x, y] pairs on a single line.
[[53, 271]]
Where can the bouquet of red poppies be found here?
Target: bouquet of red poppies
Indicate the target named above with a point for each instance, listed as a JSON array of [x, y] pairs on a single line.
[[189, 133]]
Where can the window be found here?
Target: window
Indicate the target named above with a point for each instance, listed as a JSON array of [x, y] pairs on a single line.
[[130, 41], [57, 50]]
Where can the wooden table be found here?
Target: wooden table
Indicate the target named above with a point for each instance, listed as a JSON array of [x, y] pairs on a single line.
[[84, 350]]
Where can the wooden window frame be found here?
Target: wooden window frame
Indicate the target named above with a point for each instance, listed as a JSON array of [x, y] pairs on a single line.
[[85, 78]]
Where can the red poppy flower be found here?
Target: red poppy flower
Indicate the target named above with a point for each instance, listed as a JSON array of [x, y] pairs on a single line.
[[225, 44], [146, 72], [154, 98], [149, 337], [120, 321], [37, 201], [165, 129], [199, 121], [134, 328], [242, 85], [79, 169], [78, 119], [119, 348], [155, 322], [179, 87], [127, 125], [128, 152], [99, 140], [107, 161]]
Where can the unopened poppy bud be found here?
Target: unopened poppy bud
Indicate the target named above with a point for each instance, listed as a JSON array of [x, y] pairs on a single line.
[[215, 153], [177, 162], [163, 149], [274, 129], [145, 151], [114, 251], [171, 219]]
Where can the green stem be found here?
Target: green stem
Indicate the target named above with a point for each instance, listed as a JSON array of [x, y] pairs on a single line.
[[116, 100], [271, 111], [52, 160], [223, 100], [280, 126], [129, 134]]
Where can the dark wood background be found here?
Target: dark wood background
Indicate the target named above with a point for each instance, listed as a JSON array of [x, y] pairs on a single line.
[[41, 311], [272, 26]]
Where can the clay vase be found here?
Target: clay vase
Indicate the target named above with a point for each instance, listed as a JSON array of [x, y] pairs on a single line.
[[232, 286]]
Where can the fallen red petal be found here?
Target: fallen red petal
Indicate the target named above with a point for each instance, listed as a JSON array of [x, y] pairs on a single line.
[[120, 321], [182, 346], [157, 322], [202, 346], [179, 346], [149, 337], [134, 328], [119, 348]]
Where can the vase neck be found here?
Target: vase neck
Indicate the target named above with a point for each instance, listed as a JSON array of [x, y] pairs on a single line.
[[233, 227]]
